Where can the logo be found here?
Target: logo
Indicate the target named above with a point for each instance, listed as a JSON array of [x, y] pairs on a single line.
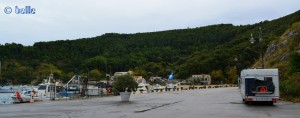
[[7, 10], [20, 10]]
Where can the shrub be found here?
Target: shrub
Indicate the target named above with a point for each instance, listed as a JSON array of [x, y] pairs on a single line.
[[125, 83], [291, 86]]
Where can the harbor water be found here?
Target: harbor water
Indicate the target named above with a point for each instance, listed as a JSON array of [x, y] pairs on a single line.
[[5, 98], [7, 91]]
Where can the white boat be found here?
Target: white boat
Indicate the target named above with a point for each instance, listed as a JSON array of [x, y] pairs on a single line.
[[144, 87], [158, 87], [23, 96], [46, 87]]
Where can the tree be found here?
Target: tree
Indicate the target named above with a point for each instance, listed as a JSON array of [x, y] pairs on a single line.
[[232, 75], [294, 63], [95, 74], [43, 70], [16, 73], [99, 62], [217, 76], [68, 76], [125, 83]]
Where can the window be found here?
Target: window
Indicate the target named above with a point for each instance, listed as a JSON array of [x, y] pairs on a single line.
[[268, 79]]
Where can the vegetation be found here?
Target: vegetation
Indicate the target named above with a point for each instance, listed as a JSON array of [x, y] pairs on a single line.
[[124, 83], [284, 53], [203, 50], [291, 86]]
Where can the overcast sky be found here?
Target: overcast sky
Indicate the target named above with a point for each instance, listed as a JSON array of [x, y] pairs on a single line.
[[73, 19]]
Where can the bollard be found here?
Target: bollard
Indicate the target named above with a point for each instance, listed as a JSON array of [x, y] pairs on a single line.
[[31, 97]]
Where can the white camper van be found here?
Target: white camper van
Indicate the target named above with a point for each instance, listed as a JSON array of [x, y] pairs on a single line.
[[259, 85]]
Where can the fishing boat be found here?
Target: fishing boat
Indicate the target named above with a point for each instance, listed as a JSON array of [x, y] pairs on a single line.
[[46, 89], [25, 96]]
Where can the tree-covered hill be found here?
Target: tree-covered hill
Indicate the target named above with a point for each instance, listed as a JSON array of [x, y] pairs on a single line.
[[211, 49]]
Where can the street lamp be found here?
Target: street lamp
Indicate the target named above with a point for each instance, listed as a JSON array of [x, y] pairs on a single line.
[[235, 59], [252, 40]]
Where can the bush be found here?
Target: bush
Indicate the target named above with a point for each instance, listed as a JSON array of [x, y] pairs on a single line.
[[291, 86], [294, 63], [124, 83]]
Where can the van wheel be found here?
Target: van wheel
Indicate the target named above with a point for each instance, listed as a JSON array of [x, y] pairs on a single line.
[[271, 103]]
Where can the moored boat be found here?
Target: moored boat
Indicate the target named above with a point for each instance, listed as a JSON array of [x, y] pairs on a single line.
[[25, 96]]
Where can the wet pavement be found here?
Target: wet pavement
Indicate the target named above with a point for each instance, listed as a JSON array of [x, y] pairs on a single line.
[[206, 103]]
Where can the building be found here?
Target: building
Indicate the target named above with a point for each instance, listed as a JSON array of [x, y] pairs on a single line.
[[203, 79], [139, 79], [117, 74], [156, 79]]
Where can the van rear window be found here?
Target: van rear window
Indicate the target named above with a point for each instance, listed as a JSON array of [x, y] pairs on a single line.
[[267, 83]]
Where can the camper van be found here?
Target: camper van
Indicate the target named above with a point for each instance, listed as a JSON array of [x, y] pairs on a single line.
[[259, 85]]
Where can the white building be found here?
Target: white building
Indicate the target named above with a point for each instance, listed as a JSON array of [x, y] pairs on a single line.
[[202, 78], [139, 79], [157, 79], [117, 74]]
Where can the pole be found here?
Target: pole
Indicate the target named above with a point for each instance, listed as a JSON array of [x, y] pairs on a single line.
[[262, 50]]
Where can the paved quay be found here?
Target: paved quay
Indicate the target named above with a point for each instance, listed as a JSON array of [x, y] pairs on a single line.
[[205, 103]]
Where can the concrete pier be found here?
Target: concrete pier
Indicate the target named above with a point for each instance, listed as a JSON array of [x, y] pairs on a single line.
[[206, 103]]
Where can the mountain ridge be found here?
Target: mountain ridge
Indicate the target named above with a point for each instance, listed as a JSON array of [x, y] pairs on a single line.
[[198, 50]]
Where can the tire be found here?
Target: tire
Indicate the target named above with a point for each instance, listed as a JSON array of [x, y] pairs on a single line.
[[271, 103]]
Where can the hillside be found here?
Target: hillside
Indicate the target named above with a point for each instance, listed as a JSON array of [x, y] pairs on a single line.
[[284, 53], [210, 49]]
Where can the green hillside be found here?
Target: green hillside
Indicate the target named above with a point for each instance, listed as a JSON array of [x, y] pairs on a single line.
[[284, 53], [210, 49]]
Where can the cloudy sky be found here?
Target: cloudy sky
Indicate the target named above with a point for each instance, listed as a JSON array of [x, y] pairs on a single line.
[[73, 19]]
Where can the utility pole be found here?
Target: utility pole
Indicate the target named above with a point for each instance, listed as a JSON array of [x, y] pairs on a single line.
[[262, 46], [252, 40]]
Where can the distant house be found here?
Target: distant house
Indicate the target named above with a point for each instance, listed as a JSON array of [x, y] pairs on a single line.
[[156, 79], [117, 74], [202, 79], [139, 79]]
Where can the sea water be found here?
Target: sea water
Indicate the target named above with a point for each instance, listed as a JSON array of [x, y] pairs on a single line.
[[5, 98]]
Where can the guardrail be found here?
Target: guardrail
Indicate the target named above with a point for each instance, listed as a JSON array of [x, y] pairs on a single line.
[[188, 87]]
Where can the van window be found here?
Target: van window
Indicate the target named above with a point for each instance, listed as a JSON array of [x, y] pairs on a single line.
[[267, 82], [268, 79]]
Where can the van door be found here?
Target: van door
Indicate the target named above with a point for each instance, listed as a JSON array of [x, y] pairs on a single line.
[[249, 84]]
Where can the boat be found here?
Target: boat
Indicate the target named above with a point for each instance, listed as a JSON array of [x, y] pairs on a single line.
[[47, 88], [158, 87], [25, 96]]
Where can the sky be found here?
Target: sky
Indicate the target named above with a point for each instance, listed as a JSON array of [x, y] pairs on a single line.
[[74, 19]]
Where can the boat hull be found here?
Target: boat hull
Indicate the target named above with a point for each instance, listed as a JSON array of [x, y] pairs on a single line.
[[20, 98]]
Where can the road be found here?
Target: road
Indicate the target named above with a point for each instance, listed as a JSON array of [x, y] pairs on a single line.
[[205, 103]]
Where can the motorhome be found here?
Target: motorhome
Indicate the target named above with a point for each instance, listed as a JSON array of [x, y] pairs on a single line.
[[259, 85]]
